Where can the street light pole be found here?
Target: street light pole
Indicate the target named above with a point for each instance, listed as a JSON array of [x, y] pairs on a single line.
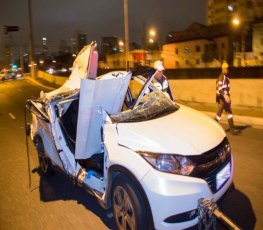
[[126, 31], [243, 30], [31, 41], [243, 59]]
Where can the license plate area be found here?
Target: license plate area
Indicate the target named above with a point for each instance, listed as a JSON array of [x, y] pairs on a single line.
[[223, 175]]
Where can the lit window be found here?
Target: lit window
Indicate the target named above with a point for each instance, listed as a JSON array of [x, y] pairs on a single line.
[[197, 48]]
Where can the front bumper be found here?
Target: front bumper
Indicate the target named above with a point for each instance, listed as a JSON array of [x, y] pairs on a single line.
[[173, 197]]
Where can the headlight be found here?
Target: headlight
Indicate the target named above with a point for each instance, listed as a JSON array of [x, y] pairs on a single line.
[[169, 163]]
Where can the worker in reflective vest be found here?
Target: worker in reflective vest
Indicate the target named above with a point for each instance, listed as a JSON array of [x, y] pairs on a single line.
[[160, 81], [223, 97]]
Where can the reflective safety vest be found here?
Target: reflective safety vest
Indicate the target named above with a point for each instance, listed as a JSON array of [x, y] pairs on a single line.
[[163, 86], [223, 85]]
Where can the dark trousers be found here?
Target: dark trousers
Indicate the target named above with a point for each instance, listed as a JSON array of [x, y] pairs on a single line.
[[223, 105]]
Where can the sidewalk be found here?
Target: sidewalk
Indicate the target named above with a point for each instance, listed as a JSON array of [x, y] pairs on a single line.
[[242, 115]]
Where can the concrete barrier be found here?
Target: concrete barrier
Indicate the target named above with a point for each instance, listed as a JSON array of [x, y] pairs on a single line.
[[52, 78], [244, 92]]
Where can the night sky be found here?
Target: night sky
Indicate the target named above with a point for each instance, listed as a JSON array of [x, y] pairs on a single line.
[[60, 19]]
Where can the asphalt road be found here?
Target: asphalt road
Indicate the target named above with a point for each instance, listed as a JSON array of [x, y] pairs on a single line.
[[56, 204]]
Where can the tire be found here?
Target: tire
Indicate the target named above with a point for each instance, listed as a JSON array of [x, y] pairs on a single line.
[[128, 206], [44, 162]]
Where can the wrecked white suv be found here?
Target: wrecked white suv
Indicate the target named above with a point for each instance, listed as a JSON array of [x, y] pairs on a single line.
[[143, 155]]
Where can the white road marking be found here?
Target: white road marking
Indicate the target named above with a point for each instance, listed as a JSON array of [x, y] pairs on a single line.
[[12, 116]]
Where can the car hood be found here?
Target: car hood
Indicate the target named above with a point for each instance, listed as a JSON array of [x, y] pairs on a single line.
[[186, 132]]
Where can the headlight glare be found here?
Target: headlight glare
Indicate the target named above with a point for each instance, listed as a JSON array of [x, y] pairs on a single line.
[[169, 163]]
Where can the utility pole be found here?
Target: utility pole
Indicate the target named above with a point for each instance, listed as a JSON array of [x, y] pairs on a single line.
[[143, 36], [31, 42], [126, 30]]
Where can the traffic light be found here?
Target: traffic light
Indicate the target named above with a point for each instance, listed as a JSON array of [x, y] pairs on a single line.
[[10, 29]]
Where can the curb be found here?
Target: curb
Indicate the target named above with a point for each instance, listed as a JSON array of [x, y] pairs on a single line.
[[255, 122]]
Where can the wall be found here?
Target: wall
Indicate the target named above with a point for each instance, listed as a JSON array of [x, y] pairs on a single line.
[[244, 92], [52, 78], [142, 57], [206, 73]]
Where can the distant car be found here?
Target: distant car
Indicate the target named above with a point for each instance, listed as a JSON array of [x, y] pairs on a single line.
[[2, 76], [143, 155], [6, 74], [18, 73]]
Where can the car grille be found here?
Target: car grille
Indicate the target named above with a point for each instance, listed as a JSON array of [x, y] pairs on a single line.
[[211, 177], [210, 163]]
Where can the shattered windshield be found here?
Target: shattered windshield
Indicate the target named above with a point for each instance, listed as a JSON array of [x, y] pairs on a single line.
[[152, 105]]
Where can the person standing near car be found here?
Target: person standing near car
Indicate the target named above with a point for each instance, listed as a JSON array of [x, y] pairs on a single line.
[[223, 97], [160, 81]]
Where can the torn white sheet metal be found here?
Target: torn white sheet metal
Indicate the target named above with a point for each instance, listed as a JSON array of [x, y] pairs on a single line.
[[67, 158], [84, 66], [107, 94]]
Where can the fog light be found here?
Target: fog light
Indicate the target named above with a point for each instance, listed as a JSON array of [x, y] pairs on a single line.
[[182, 217]]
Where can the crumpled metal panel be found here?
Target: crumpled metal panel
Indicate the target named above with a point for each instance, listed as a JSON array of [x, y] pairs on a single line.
[[106, 93], [84, 66]]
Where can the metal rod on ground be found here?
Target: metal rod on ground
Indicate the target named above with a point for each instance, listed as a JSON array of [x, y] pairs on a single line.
[[27, 150], [226, 220]]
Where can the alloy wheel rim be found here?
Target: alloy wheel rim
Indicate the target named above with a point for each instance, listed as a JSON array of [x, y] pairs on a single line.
[[123, 209]]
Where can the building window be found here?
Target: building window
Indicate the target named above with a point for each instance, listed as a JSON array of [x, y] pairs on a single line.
[[197, 61], [177, 64], [186, 62], [186, 50], [197, 48], [176, 51]]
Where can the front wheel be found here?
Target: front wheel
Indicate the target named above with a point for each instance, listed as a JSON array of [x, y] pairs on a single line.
[[128, 206], [44, 162]]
